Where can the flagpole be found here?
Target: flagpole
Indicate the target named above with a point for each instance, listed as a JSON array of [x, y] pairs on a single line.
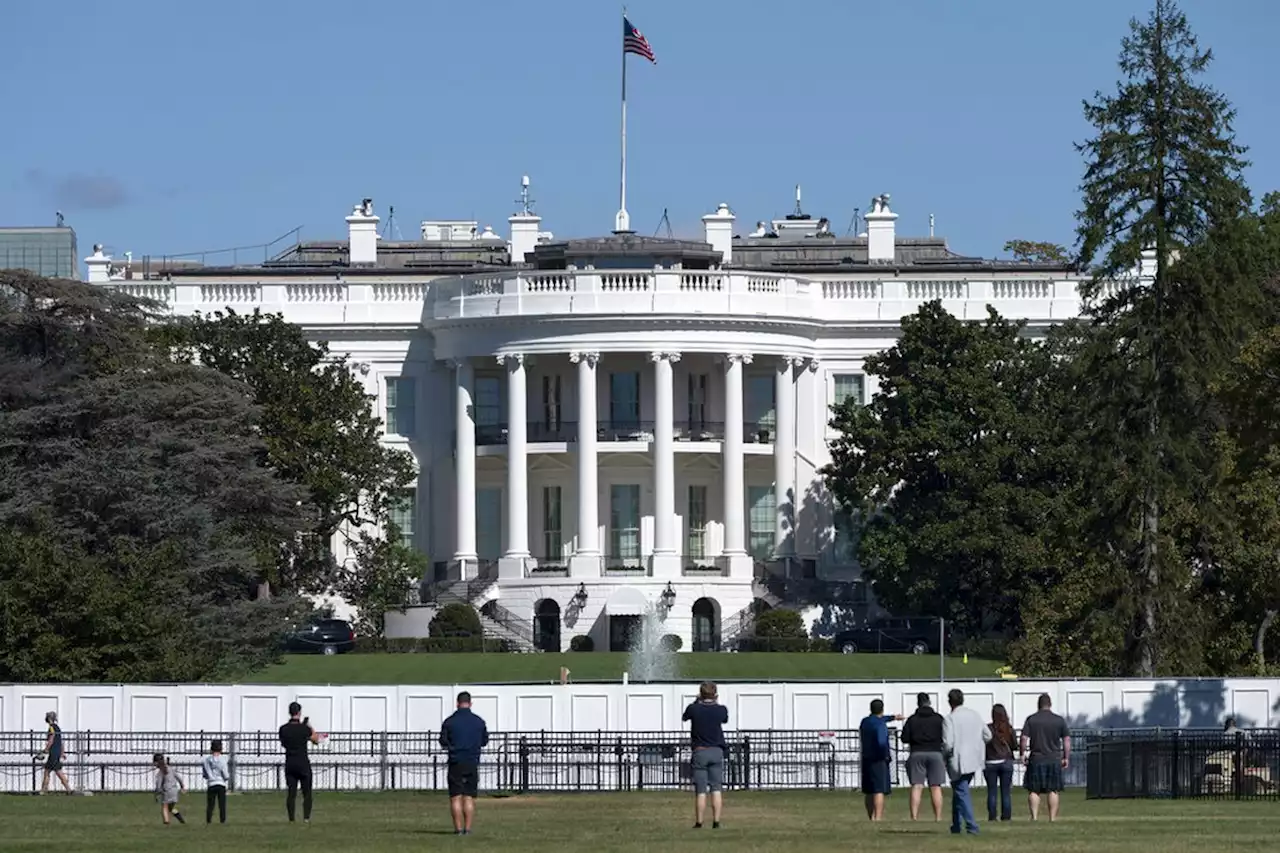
[[623, 220]]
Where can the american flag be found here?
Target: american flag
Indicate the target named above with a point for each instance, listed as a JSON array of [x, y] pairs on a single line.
[[634, 42]]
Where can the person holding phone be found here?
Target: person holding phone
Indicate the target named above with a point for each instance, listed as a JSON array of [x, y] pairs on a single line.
[[296, 736]]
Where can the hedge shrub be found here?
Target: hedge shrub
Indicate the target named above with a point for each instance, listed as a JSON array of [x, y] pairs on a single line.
[[582, 643], [456, 620]]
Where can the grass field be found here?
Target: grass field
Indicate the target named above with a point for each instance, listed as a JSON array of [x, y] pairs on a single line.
[[589, 823], [606, 666]]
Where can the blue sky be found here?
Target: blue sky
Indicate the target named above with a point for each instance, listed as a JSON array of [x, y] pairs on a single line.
[[164, 127]]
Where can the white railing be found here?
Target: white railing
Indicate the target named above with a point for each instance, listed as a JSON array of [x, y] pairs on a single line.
[[603, 292]]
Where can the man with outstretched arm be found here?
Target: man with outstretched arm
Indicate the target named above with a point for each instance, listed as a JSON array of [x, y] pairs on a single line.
[[463, 735]]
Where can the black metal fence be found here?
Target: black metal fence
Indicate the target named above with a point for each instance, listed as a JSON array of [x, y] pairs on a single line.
[[513, 761], [1182, 764]]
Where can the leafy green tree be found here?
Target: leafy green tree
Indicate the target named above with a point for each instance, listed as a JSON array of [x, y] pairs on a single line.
[[780, 624], [955, 468], [378, 578], [1036, 251], [319, 430], [1163, 171], [133, 508]]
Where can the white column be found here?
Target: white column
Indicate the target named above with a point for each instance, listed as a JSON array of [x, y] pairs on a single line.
[[585, 561], [464, 464], [784, 455], [735, 497], [666, 558], [517, 545]]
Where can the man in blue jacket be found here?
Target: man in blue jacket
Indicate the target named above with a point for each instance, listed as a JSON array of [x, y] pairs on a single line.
[[876, 756], [463, 735]]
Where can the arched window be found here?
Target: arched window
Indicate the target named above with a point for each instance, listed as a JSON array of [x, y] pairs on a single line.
[[546, 625], [706, 626]]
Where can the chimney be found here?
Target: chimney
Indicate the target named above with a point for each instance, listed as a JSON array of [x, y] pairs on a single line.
[[879, 220], [99, 266], [719, 231], [362, 234], [524, 226]]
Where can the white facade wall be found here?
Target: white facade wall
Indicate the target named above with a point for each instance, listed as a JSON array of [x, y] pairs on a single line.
[[1105, 704], [794, 337], [393, 328]]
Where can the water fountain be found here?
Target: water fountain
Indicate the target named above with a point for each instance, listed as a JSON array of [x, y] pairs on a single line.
[[649, 659]]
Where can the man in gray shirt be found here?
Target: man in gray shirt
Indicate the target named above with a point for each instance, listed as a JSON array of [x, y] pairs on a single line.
[[1049, 739]]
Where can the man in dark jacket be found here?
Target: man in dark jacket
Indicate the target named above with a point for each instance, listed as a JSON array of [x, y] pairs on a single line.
[[922, 735], [463, 735]]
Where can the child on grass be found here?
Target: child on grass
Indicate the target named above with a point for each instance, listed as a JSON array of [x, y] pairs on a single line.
[[168, 786], [217, 774]]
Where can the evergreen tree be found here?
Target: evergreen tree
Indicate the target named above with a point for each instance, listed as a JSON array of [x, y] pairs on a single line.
[[319, 430], [133, 508], [1164, 170]]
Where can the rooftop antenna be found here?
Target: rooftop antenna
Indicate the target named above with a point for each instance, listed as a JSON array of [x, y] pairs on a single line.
[[526, 203], [664, 221], [798, 210], [930, 224], [390, 228], [855, 222]]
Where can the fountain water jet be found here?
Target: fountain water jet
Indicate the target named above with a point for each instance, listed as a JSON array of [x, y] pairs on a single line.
[[650, 660]]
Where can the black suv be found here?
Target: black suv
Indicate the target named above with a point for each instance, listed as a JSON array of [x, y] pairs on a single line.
[[915, 634], [323, 636]]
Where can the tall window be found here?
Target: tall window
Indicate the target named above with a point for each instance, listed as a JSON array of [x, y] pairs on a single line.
[[488, 401], [762, 521], [759, 402], [624, 400], [404, 514], [551, 402], [696, 518], [844, 544], [697, 400], [489, 523], [401, 393], [552, 530], [624, 522], [848, 386]]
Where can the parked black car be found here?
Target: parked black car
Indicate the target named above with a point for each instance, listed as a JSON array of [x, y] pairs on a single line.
[[323, 636], [915, 634]]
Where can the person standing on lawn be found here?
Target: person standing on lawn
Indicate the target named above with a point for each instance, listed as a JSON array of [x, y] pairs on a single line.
[[876, 756], [999, 770], [922, 733], [295, 736], [217, 775], [463, 736], [1049, 740], [964, 737], [706, 718]]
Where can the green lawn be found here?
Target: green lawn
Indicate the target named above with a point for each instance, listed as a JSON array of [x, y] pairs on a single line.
[[605, 666], [619, 823]]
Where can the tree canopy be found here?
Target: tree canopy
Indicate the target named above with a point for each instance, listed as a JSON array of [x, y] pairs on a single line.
[[133, 505], [1114, 508], [318, 427], [956, 468]]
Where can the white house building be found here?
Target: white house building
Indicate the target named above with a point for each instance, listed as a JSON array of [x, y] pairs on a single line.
[[610, 425]]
